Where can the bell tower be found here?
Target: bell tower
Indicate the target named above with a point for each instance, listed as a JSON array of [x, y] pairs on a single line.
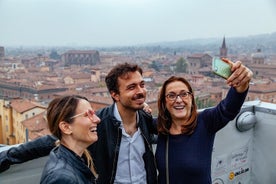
[[223, 49]]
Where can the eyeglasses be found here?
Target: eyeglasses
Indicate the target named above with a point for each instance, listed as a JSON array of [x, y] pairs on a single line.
[[182, 95], [89, 113]]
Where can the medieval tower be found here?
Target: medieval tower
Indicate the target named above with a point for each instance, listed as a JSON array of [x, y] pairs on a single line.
[[223, 49]]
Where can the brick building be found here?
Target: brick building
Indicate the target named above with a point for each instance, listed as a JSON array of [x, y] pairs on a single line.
[[197, 62], [15, 90], [81, 57]]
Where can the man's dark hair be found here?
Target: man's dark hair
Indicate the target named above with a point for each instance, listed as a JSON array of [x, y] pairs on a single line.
[[120, 70]]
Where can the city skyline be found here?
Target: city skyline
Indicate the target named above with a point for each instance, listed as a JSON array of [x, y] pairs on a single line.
[[122, 23]]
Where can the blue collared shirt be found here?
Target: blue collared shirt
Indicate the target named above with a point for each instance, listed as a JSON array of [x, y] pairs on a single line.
[[131, 166]]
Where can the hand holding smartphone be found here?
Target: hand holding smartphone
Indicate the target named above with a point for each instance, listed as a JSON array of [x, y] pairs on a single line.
[[221, 68]]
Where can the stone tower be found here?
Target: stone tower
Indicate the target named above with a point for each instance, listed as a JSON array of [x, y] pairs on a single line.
[[2, 52]]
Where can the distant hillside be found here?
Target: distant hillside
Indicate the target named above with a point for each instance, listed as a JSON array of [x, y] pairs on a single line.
[[265, 42], [235, 45]]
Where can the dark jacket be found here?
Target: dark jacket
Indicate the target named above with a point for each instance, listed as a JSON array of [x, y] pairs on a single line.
[[64, 166], [105, 151]]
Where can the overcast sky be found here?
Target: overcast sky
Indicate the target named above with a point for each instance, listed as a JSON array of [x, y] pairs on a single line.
[[130, 22]]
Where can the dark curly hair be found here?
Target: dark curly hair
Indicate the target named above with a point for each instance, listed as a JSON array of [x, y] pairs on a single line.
[[120, 70]]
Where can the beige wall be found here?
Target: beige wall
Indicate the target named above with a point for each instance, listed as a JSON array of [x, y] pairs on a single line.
[[7, 136], [11, 129]]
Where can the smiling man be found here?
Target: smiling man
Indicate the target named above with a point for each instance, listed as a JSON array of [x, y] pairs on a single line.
[[124, 151]]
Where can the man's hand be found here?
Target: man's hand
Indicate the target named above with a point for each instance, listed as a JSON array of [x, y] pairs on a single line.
[[147, 108]]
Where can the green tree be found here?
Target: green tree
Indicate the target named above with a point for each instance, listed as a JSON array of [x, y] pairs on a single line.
[[155, 66], [181, 65], [54, 55]]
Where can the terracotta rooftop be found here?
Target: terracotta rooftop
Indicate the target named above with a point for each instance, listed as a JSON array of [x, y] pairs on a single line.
[[263, 88], [21, 106], [37, 126], [81, 52], [197, 55]]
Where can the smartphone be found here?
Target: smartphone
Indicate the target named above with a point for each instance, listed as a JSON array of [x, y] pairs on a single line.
[[221, 68]]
